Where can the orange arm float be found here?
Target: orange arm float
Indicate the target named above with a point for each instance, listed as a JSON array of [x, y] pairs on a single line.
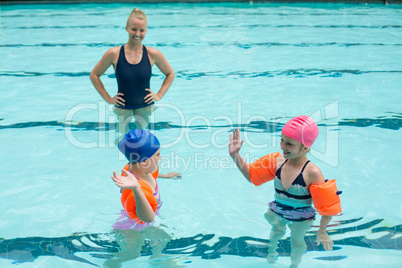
[[326, 198], [263, 169], [128, 199]]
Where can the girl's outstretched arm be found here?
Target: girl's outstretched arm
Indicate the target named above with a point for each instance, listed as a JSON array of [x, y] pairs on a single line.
[[170, 175], [235, 144]]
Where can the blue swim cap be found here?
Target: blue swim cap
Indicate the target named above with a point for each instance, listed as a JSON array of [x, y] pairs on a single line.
[[139, 145]]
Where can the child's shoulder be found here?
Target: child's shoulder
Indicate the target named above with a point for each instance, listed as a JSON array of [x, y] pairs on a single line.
[[313, 175]]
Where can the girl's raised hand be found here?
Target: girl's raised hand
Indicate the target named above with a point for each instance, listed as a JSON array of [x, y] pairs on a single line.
[[127, 182], [235, 142]]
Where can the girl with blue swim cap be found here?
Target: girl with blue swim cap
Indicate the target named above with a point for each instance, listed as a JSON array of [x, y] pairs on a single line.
[[140, 191], [141, 200]]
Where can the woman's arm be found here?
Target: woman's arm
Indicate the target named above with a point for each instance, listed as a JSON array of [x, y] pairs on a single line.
[[160, 61], [99, 69]]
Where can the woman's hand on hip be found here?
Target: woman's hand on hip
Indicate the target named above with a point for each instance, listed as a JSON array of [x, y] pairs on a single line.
[[117, 100], [151, 97]]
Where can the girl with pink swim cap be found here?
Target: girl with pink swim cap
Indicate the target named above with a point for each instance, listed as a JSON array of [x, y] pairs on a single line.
[[293, 203]]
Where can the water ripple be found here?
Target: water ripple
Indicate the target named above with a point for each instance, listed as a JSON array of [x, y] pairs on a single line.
[[393, 122], [189, 75], [195, 44], [245, 26]]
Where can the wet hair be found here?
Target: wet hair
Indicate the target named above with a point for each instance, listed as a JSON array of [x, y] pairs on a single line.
[[138, 14]]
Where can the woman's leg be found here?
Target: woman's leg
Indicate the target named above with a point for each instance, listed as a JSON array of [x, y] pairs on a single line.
[[123, 119], [297, 241], [277, 232], [142, 115]]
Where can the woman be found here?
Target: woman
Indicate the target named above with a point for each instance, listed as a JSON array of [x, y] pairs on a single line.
[[133, 63]]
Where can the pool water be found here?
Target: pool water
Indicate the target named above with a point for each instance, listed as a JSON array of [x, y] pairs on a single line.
[[252, 66]]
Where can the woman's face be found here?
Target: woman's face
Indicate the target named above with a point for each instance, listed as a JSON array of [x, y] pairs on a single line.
[[136, 29]]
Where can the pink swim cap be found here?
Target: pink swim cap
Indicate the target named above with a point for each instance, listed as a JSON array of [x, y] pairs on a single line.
[[301, 128]]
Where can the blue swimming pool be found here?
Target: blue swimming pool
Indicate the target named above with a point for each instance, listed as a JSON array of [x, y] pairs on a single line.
[[252, 66]]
